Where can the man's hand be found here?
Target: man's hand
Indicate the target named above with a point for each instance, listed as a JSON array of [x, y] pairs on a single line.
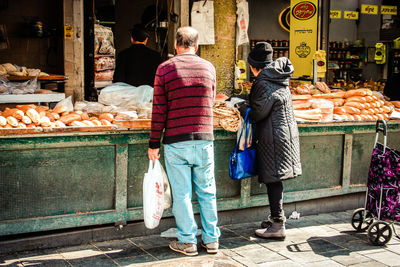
[[153, 153]]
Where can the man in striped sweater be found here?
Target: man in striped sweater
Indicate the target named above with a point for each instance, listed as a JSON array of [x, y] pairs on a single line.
[[184, 91]]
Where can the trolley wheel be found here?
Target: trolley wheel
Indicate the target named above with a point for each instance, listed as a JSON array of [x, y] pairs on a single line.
[[379, 233], [357, 219]]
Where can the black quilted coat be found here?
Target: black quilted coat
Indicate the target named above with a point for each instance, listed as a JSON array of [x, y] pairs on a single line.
[[276, 135]]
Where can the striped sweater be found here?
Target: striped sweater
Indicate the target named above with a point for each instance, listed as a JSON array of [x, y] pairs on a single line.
[[184, 92]]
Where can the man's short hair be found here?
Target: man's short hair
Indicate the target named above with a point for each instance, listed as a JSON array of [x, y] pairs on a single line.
[[187, 37], [139, 33]]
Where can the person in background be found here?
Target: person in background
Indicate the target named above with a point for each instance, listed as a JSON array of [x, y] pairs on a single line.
[[137, 64], [184, 92], [276, 135], [392, 89]]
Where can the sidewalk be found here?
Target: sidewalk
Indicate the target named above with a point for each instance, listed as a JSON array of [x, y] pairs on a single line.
[[319, 240]]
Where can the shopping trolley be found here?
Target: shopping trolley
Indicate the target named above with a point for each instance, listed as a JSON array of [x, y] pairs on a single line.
[[382, 202]]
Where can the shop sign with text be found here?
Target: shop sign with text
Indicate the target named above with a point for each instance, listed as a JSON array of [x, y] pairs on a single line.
[[335, 14], [369, 9], [389, 10], [303, 35], [350, 15]]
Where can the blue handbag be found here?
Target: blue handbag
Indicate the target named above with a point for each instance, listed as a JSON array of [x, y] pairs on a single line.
[[242, 163]]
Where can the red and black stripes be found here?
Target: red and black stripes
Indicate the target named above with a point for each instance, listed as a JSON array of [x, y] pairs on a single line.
[[184, 91]]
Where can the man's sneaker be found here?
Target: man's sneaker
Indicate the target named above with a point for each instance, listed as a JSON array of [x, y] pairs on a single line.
[[189, 249], [212, 248]]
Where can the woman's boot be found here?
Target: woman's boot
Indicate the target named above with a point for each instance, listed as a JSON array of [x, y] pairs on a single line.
[[276, 230]]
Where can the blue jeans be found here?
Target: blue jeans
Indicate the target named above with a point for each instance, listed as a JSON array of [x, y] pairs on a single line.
[[186, 162]]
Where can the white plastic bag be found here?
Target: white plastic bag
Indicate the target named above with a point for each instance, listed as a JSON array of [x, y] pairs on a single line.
[[202, 15], [242, 22], [153, 194], [124, 95], [67, 102]]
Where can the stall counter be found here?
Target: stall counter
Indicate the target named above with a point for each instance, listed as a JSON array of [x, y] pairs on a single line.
[[62, 180]]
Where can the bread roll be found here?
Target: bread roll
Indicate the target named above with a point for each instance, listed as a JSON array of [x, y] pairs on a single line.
[[3, 70], [302, 90], [85, 116], [52, 116], [26, 120], [106, 116], [396, 103], [369, 98], [8, 126], [21, 125], [96, 122], [337, 102], [9, 67], [41, 108], [45, 122], [24, 108], [323, 87], [59, 124], [105, 122], [387, 109], [3, 121], [33, 115], [88, 123], [77, 124], [12, 121]]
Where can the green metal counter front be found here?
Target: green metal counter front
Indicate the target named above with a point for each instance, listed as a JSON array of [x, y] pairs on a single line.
[[56, 181]]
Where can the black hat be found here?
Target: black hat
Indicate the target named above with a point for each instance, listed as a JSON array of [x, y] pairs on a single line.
[[139, 33], [260, 55]]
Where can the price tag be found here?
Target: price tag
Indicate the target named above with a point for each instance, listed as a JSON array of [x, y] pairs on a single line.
[[369, 9], [351, 15], [389, 10]]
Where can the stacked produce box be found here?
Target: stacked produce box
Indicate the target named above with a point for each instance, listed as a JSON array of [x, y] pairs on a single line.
[[104, 62]]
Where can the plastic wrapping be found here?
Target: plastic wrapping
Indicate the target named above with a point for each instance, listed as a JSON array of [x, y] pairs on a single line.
[[104, 63], [105, 75], [104, 40], [125, 95], [67, 102]]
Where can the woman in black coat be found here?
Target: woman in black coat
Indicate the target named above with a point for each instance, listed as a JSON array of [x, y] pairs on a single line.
[[276, 135]]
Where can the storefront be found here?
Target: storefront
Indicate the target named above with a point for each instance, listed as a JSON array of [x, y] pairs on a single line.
[[56, 178]]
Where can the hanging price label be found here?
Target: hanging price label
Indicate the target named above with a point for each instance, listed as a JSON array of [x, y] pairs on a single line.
[[389, 10], [369, 9], [351, 15], [335, 14]]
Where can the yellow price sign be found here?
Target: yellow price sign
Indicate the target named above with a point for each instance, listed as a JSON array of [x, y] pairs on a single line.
[[369, 9], [389, 10], [68, 32], [335, 14], [351, 15]]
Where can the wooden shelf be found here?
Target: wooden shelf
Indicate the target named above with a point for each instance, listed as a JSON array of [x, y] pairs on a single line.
[[32, 98]]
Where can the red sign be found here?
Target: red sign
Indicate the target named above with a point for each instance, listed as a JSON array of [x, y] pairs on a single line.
[[304, 10]]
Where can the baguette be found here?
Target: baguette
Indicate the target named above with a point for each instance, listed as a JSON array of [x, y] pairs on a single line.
[[369, 98], [315, 91], [88, 123], [41, 108], [355, 105], [367, 105], [24, 108], [301, 97], [16, 113], [358, 92], [396, 103], [8, 126], [45, 122], [346, 110], [67, 119], [323, 87], [387, 109], [337, 102], [52, 116], [21, 125], [60, 109], [59, 124], [96, 122], [302, 90], [78, 124], [105, 122], [361, 99], [301, 104], [84, 116]]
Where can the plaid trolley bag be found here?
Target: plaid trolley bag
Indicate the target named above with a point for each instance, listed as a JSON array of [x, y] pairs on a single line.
[[382, 206]]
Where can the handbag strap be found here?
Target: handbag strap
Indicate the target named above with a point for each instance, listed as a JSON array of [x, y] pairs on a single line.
[[247, 125]]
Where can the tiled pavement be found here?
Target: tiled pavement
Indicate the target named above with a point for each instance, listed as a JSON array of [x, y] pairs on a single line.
[[319, 240]]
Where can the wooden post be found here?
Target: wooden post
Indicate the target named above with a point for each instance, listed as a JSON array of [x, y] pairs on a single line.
[[184, 10], [73, 49]]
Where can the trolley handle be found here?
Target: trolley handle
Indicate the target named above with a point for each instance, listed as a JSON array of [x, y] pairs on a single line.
[[381, 129]]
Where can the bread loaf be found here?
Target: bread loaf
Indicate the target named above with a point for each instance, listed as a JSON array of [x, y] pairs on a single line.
[[106, 116], [84, 116], [105, 122], [21, 125], [41, 108], [96, 122], [355, 105], [337, 102], [59, 124], [24, 108], [358, 92], [301, 97], [45, 122], [396, 103], [302, 90], [323, 87], [77, 124], [33, 115], [88, 123], [60, 109], [67, 119], [361, 99]]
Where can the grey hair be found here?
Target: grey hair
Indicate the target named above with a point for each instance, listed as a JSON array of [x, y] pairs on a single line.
[[187, 37]]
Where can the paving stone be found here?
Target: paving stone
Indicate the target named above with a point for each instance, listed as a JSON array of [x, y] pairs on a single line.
[[47, 257], [325, 263], [286, 263], [394, 248], [99, 260], [227, 233], [259, 255], [135, 260], [119, 249], [386, 257], [361, 247], [235, 242], [164, 253], [302, 257], [79, 252], [371, 263], [207, 260], [346, 257], [151, 241], [274, 245]]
